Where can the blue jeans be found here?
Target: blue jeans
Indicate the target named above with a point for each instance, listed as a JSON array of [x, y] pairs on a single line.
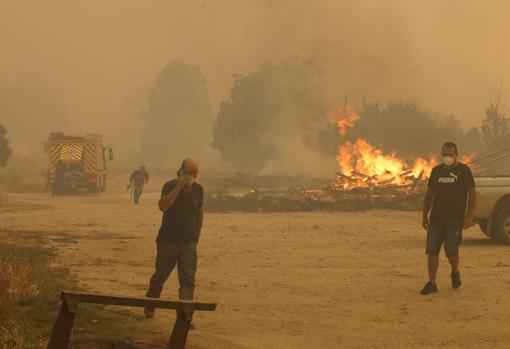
[[168, 256], [449, 232]]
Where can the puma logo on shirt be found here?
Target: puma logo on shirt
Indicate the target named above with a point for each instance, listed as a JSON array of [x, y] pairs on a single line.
[[452, 179], [450, 186], [456, 176]]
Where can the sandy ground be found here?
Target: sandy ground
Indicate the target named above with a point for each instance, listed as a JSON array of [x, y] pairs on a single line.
[[300, 280]]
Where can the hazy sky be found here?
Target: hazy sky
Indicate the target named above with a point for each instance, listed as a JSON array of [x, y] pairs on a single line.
[[449, 56]]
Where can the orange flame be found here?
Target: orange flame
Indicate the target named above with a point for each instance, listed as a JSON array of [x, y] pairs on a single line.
[[344, 117], [362, 164]]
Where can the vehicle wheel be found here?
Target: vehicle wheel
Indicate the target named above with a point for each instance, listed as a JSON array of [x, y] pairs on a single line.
[[482, 223], [501, 227]]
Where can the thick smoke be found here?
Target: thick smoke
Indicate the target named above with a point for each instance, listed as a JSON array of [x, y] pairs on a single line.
[[448, 56]]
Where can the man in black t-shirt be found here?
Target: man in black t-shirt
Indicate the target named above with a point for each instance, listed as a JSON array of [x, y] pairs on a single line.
[[451, 187], [181, 203]]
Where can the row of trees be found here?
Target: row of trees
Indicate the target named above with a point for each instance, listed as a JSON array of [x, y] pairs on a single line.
[[273, 103], [288, 100]]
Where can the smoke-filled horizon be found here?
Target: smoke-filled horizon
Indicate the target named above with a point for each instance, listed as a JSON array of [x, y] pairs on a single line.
[[102, 56]]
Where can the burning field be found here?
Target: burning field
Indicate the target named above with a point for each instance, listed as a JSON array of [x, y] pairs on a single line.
[[367, 177]]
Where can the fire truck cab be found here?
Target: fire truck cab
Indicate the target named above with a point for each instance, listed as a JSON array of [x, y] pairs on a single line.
[[82, 159]]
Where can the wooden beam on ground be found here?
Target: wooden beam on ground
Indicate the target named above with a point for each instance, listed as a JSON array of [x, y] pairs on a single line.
[[344, 176], [70, 301], [359, 174], [138, 301]]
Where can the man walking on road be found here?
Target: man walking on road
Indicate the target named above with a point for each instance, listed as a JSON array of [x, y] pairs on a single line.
[[451, 187], [137, 181], [181, 204]]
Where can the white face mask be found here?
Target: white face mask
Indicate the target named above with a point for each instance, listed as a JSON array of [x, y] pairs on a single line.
[[448, 160]]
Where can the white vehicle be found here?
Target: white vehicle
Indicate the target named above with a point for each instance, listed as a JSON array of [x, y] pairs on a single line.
[[492, 209]]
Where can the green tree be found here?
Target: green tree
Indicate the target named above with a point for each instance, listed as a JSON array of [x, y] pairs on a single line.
[[5, 149], [275, 102], [178, 118]]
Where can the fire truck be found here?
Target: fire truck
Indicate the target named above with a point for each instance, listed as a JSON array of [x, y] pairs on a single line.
[[81, 158]]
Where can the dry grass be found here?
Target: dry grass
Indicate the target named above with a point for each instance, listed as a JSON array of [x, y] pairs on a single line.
[[18, 285], [17, 279], [30, 284], [16, 337], [27, 290]]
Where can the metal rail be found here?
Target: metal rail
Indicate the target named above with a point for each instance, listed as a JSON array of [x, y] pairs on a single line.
[[479, 165]]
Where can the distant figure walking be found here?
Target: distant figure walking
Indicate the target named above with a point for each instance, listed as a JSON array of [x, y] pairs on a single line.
[[181, 204], [137, 181], [58, 185]]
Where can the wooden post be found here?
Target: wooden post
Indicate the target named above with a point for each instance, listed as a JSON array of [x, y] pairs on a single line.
[[64, 324], [181, 327]]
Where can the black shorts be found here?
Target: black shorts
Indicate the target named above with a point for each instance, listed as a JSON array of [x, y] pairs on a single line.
[[449, 232]]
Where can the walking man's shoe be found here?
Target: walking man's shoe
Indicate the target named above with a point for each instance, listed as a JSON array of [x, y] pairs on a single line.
[[429, 288], [149, 312], [456, 279]]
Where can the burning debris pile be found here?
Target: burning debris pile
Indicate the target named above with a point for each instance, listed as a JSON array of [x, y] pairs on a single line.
[[366, 170], [366, 178], [405, 181], [363, 166]]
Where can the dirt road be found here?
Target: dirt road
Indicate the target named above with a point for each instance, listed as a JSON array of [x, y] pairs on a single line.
[[307, 280]]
